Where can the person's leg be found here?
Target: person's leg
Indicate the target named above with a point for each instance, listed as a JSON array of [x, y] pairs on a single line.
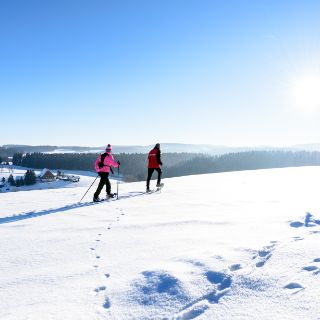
[[159, 176], [100, 186], [108, 184], [150, 172]]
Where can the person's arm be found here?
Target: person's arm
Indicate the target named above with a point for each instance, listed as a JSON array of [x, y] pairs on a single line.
[[115, 164], [159, 157], [112, 163], [96, 165]]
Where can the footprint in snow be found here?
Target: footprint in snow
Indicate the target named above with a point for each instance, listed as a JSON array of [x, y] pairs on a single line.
[[296, 224], [92, 249], [221, 279], [264, 255], [235, 267], [294, 286], [98, 257], [107, 303], [101, 288], [310, 268], [107, 275], [297, 238], [192, 313], [314, 232], [309, 221]]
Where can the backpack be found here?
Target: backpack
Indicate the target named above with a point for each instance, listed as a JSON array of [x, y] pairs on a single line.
[[102, 157]]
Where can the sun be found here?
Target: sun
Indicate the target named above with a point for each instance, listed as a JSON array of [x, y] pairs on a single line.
[[305, 92]]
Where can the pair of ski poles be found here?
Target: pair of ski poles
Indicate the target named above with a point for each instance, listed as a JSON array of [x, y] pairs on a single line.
[[95, 181]]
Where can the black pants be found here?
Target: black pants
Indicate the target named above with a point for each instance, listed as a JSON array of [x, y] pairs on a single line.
[[150, 172], [104, 180]]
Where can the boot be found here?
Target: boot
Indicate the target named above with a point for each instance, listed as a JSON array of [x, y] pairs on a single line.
[[96, 199]]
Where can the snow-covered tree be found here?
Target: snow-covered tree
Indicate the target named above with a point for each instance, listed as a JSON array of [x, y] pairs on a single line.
[[11, 180], [30, 178]]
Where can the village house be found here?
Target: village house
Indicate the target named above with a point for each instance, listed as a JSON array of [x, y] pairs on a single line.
[[46, 176]]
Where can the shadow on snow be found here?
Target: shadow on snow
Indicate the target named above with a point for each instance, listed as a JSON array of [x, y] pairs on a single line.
[[35, 214]]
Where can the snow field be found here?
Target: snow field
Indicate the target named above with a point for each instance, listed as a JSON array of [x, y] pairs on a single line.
[[241, 245]]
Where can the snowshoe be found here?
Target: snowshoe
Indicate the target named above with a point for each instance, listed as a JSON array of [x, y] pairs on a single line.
[[96, 199]]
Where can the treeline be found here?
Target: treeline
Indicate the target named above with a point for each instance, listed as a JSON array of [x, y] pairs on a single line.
[[28, 179], [133, 166], [66, 161], [250, 160], [5, 153]]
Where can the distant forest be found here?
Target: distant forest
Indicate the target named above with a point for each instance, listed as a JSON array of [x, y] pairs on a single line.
[[133, 166], [9, 151]]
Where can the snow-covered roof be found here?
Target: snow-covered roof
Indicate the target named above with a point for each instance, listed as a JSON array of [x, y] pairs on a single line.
[[43, 172]]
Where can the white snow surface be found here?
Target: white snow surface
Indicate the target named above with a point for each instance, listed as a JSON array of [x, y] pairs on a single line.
[[86, 178], [240, 245]]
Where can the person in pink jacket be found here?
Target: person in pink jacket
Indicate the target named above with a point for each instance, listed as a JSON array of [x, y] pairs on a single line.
[[103, 166]]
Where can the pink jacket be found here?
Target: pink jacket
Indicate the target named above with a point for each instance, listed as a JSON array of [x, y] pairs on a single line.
[[107, 163]]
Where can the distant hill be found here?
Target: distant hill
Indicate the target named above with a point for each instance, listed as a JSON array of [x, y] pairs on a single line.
[[307, 147], [165, 147]]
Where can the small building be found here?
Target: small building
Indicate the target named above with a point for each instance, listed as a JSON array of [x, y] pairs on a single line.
[[46, 176], [67, 177], [61, 176], [74, 178]]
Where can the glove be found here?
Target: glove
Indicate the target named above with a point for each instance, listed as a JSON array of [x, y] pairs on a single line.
[[118, 162]]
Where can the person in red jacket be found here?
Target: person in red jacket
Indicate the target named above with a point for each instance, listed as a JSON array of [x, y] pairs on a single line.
[[154, 163], [103, 166]]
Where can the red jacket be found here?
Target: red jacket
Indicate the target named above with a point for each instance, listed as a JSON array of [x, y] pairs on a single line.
[[154, 159]]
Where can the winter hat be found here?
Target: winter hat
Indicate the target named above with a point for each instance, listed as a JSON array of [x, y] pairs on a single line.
[[157, 145], [108, 148]]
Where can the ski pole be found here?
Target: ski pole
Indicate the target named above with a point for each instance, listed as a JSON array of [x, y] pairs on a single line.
[[118, 182], [89, 187]]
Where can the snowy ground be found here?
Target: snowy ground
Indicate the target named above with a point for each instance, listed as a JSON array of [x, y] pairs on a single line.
[[241, 245], [86, 178]]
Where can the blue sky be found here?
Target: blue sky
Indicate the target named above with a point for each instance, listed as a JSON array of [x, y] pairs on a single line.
[[138, 72]]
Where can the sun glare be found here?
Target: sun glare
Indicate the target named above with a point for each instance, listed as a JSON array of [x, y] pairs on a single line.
[[305, 93]]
